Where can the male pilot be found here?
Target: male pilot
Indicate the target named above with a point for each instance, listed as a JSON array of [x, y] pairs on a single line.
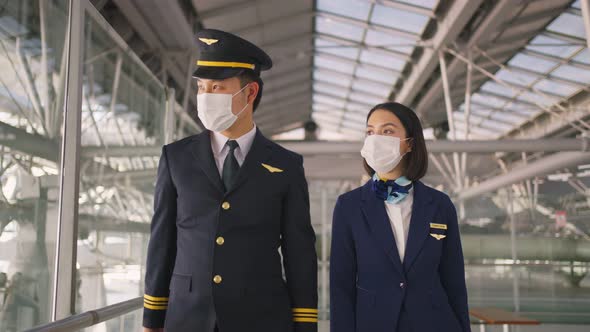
[[225, 201]]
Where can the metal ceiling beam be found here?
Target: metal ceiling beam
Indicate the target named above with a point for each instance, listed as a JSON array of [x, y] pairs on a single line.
[[103, 223], [33, 144], [546, 125], [147, 33], [449, 28], [540, 167], [447, 146]]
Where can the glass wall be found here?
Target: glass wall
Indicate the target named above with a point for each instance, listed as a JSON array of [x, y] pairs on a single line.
[[122, 109], [32, 55], [126, 115]]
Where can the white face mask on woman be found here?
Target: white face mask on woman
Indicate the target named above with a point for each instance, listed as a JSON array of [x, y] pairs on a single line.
[[215, 110], [382, 153]]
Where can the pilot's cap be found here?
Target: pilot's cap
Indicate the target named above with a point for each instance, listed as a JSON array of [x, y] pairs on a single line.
[[223, 55]]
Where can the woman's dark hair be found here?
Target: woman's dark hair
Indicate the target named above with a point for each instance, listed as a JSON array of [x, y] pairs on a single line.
[[415, 161]]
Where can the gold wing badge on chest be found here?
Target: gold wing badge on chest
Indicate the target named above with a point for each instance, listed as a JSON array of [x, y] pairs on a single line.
[[438, 226], [271, 168]]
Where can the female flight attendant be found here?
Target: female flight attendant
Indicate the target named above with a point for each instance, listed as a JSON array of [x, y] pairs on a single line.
[[396, 263]]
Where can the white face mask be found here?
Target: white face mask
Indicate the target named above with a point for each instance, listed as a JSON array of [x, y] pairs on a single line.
[[382, 153], [215, 110]]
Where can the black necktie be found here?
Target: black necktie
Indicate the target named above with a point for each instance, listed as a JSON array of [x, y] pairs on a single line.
[[230, 165]]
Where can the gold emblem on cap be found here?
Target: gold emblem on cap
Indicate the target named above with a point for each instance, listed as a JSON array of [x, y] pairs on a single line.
[[208, 41]]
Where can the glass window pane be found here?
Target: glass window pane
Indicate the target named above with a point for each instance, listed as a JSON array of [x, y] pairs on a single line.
[[521, 109], [516, 77], [363, 98], [399, 19], [568, 24], [532, 63], [316, 107], [358, 108], [573, 74], [381, 60], [333, 64], [326, 117], [329, 47], [430, 4], [488, 100], [376, 75], [553, 87], [351, 8], [329, 77], [498, 89], [353, 124], [330, 90], [552, 46], [344, 30], [583, 57], [371, 87], [31, 101], [115, 219], [323, 99], [508, 117], [391, 42], [536, 99], [357, 117]]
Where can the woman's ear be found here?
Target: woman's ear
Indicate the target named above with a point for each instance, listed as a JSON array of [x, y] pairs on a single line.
[[410, 143]]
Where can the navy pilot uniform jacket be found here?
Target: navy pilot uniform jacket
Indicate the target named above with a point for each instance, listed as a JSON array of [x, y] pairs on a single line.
[[371, 290], [217, 251]]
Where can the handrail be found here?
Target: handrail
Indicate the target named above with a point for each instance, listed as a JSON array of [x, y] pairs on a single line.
[[90, 318]]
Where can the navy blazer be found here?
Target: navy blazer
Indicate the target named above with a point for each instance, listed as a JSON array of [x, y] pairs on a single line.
[[371, 290]]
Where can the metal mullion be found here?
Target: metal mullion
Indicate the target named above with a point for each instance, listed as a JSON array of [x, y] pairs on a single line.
[[64, 289]]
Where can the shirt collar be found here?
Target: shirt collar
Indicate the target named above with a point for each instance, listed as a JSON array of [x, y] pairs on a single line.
[[245, 141]]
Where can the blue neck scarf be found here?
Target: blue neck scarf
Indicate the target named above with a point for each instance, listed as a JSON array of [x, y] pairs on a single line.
[[391, 191]]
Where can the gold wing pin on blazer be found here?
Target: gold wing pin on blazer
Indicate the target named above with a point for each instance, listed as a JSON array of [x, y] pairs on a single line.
[[271, 169], [438, 236]]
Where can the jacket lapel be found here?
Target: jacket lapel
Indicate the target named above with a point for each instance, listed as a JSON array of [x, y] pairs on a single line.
[[376, 217], [201, 151], [259, 153], [422, 213]]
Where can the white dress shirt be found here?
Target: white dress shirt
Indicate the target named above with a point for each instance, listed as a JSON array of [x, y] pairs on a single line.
[[399, 218], [220, 150]]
